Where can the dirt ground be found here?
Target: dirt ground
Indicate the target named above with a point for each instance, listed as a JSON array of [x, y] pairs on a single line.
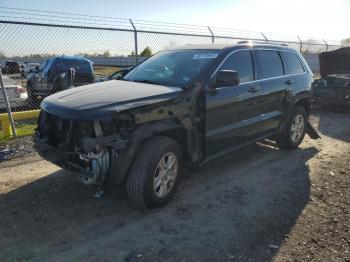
[[257, 204]]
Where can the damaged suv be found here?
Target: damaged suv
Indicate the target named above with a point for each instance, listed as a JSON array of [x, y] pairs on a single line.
[[333, 89], [179, 108]]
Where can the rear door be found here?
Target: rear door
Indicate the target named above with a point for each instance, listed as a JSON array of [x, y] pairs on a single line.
[[295, 71], [232, 111], [275, 88]]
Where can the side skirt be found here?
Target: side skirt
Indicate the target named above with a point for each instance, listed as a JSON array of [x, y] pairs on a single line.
[[234, 148]]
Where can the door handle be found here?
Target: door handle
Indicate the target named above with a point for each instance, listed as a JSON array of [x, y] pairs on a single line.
[[290, 82], [254, 89]]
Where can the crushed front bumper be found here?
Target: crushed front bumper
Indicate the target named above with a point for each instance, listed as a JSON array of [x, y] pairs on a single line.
[[58, 157]]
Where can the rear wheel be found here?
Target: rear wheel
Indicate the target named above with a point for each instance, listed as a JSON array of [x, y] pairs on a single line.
[[154, 175], [294, 131]]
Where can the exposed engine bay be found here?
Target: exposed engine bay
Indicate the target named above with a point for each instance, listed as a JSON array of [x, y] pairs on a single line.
[[333, 89], [83, 146]]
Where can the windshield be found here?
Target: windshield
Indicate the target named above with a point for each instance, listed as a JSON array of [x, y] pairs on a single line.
[[172, 68]]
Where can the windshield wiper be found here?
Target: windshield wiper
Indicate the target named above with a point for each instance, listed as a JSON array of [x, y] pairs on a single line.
[[147, 82]]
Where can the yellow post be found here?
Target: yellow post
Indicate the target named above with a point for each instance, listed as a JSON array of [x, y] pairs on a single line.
[[6, 127], [5, 123]]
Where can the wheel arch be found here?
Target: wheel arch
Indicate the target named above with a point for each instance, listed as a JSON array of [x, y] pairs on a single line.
[[304, 102], [167, 128], [179, 134]]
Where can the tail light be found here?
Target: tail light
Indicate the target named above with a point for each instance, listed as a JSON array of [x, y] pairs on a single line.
[[20, 90]]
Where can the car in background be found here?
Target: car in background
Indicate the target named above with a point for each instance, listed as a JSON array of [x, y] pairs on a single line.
[[333, 88], [29, 68], [117, 75], [57, 74], [12, 67], [16, 94]]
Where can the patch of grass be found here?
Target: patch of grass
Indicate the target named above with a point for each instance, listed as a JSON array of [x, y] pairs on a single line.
[[105, 70], [22, 130]]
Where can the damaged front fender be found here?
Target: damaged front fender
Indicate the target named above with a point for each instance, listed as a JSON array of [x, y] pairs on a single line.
[[122, 161]]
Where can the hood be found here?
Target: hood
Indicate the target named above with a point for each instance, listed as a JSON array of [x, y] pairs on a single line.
[[102, 100], [335, 62]]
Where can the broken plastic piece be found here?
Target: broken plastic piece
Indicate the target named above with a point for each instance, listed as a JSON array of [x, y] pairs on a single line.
[[99, 193]]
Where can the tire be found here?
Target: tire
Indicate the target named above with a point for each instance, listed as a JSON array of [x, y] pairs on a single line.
[[33, 100], [147, 171], [294, 131]]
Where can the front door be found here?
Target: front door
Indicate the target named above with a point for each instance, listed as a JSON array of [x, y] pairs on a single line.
[[233, 111]]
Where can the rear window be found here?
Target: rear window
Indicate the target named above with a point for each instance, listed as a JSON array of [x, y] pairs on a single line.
[[293, 64], [270, 63]]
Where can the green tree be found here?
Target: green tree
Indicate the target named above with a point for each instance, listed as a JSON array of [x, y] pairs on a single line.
[[312, 46], [2, 55], [146, 52], [345, 42], [106, 54]]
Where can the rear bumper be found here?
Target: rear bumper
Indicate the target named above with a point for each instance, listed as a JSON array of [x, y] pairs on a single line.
[[49, 88], [40, 94], [14, 102]]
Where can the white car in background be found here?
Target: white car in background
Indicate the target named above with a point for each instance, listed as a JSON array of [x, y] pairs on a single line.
[[16, 94]]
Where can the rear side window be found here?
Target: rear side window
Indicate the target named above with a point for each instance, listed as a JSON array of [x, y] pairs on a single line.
[[242, 63], [293, 64], [270, 63]]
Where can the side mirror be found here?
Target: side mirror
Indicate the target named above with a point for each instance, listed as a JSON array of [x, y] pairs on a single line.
[[226, 78]]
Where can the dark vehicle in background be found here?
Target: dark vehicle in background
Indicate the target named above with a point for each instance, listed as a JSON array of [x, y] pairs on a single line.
[[29, 68], [12, 67], [57, 74], [117, 75], [333, 89], [179, 108]]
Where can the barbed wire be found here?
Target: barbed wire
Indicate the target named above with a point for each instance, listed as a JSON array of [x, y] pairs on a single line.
[[31, 37], [65, 13], [66, 18]]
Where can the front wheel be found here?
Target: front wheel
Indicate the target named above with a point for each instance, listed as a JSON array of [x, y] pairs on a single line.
[[294, 131], [154, 175]]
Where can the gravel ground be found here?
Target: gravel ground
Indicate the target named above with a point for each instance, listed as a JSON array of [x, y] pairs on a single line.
[[257, 204]]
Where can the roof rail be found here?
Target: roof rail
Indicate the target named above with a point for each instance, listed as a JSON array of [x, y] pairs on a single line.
[[260, 42], [244, 42]]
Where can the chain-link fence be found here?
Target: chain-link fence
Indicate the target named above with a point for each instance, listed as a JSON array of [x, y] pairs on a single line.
[[42, 53]]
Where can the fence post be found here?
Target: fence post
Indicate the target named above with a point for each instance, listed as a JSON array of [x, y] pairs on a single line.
[[212, 35], [9, 113], [135, 39], [301, 44], [266, 40], [326, 44]]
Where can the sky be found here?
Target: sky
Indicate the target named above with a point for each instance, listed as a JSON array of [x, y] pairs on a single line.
[[322, 19]]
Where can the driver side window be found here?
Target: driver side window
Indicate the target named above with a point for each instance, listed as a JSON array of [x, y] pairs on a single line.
[[242, 63]]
